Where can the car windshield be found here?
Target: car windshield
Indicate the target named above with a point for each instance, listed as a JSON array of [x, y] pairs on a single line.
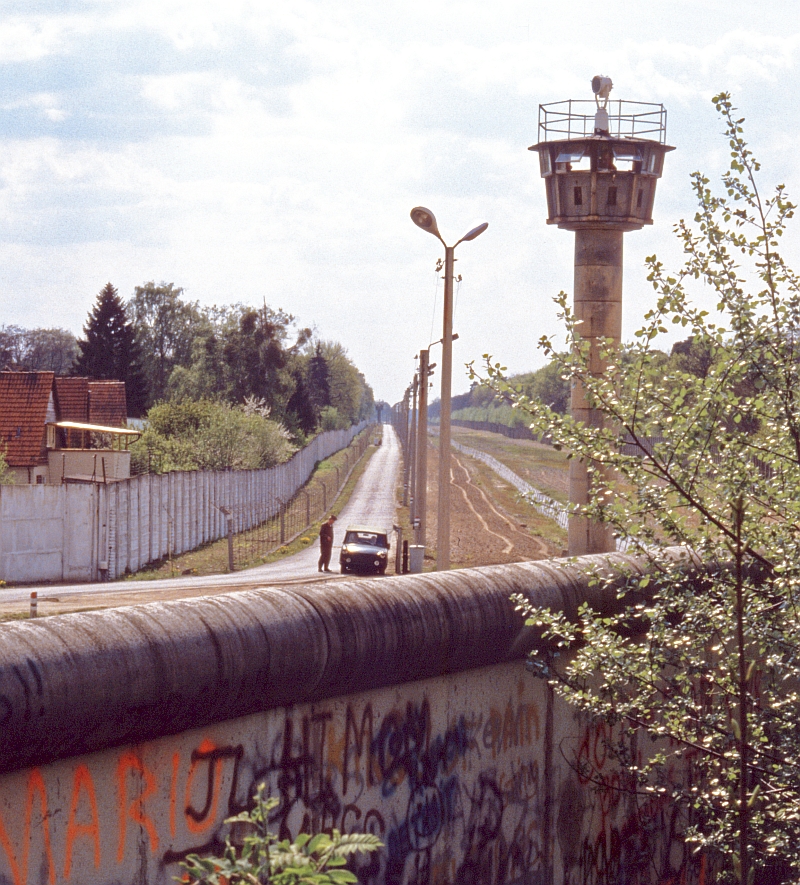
[[371, 538]]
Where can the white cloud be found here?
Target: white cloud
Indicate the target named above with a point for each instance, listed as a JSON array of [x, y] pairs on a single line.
[[249, 151]]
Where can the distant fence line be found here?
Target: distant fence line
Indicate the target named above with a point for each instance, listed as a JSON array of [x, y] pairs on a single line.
[[169, 514], [627, 447], [543, 503], [85, 533], [302, 510], [519, 431]]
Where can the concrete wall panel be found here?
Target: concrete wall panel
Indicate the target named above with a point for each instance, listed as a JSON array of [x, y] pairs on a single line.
[[31, 532], [51, 532], [399, 707], [449, 773], [80, 527]]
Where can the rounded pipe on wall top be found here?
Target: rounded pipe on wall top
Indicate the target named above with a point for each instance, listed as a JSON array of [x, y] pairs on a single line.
[[72, 684]]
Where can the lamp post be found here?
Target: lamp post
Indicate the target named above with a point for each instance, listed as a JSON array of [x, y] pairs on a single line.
[[425, 219]]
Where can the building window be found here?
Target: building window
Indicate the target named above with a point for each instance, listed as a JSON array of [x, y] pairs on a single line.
[[577, 196], [611, 199]]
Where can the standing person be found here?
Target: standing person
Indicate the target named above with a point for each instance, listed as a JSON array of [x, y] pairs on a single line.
[[326, 543]]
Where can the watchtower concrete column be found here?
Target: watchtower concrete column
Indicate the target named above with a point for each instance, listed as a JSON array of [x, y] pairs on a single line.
[[598, 307]]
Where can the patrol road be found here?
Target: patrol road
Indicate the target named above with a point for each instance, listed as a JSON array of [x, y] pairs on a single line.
[[373, 502]]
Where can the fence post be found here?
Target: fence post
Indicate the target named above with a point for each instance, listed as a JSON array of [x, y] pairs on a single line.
[[283, 523], [229, 526], [308, 508], [324, 496], [398, 553]]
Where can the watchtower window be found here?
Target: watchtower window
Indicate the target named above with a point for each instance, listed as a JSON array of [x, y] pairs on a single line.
[[577, 196], [611, 199], [569, 160], [639, 199], [627, 158]]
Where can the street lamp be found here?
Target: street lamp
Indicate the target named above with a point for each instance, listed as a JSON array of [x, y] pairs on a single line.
[[425, 219]]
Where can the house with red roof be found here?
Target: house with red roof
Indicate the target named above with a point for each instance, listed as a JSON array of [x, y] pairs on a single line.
[[63, 429], [27, 409]]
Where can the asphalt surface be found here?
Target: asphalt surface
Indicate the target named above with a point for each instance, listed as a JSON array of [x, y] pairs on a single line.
[[372, 503]]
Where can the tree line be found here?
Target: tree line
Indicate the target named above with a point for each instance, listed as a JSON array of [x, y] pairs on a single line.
[[550, 385], [168, 349]]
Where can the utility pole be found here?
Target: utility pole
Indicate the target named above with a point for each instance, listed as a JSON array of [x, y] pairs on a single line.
[[412, 450], [404, 440], [422, 449]]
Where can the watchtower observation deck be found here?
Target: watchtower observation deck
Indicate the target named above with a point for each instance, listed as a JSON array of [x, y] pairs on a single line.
[[601, 163]]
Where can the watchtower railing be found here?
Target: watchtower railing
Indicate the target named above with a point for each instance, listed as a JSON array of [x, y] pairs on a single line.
[[565, 120]]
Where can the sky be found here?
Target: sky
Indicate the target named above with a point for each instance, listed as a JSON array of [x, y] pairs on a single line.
[[263, 151]]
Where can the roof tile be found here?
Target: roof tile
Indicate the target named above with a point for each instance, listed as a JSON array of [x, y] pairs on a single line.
[[73, 398], [107, 404], [23, 410]]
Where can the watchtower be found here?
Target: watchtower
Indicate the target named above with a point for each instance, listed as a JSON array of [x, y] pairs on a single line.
[[600, 161]]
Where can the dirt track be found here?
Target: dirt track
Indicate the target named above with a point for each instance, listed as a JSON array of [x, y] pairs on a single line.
[[483, 528]]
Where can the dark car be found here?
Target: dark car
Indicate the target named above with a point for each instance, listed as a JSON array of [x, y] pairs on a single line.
[[364, 549]]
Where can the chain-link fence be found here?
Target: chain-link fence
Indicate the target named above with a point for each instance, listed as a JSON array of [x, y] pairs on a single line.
[[306, 507]]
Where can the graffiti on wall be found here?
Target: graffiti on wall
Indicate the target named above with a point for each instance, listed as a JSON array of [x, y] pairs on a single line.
[[464, 782], [452, 789], [608, 831]]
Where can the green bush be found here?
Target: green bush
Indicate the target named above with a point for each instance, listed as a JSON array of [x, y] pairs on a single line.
[[309, 860], [6, 477], [330, 419], [204, 435]]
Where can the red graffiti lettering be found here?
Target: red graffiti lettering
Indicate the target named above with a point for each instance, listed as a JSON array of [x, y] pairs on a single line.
[[5, 842], [135, 810], [19, 871], [82, 780]]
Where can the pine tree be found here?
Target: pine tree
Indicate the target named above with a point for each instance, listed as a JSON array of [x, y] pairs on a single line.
[[300, 411], [318, 380], [110, 351]]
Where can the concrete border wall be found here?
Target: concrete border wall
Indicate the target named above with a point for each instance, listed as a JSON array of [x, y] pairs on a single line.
[[399, 706], [83, 532], [77, 683]]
